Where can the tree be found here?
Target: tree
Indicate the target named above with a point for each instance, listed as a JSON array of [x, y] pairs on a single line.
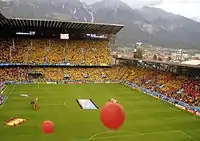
[[159, 59], [186, 59], [169, 58], [138, 54], [155, 57]]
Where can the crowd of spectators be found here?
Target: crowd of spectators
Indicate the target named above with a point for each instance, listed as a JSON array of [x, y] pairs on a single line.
[[4, 51], [56, 73], [183, 88], [45, 51]]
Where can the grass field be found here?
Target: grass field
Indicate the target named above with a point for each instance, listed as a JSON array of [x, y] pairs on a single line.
[[147, 118]]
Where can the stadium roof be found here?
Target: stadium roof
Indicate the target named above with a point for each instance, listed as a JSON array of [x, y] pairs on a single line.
[[1, 16], [62, 25], [192, 62]]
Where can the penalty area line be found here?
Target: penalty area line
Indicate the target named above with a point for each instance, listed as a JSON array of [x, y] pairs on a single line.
[[187, 135], [107, 132], [8, 96], [128, 135]]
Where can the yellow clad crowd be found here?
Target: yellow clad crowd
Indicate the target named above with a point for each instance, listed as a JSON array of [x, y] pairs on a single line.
[[56, 73], [45, 51]]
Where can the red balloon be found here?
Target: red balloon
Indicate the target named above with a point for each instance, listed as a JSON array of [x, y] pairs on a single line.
[[112, 115], [48, 127]]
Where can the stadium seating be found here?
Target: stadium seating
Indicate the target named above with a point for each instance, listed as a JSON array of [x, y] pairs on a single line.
[[18, 51], [181, 88], [44, 51], [57, 73], [5, 51]]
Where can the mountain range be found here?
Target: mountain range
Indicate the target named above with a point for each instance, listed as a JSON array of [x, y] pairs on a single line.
[[149, 25]]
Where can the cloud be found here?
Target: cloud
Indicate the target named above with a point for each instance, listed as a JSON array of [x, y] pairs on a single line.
[[187, 8], [141, 3], [132, 3], [90, 1]]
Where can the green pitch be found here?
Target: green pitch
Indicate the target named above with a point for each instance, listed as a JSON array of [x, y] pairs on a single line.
[[147, 118]]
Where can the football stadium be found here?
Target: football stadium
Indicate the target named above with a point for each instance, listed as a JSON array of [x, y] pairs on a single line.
[[63, 72]]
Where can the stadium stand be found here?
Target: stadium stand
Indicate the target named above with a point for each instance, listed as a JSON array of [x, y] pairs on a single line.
[[94, 54], [55, 52], [4, 51], [182, 88], [162, 82]]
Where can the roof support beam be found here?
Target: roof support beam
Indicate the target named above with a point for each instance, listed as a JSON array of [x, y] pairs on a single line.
[[81, 26], [60, 24], [3, 21], [54, 23], [14, 22]]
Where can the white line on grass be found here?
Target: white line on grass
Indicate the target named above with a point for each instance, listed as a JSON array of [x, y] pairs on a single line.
[[130, 135], [131, 132], [8, 96], [190, 137], [65, 103], [100, 134], [51, 104]]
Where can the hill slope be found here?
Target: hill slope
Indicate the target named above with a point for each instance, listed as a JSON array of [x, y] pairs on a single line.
[[150, 25]]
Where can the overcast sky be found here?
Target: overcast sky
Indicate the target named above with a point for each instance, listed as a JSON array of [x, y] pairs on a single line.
[[187, 8]]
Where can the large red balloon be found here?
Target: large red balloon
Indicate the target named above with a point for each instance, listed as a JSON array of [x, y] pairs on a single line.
[[48, 127], [112, 115]]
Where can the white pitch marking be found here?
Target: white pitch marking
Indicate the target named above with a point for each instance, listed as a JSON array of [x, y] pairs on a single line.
[[100, 134], [110, 132], [65, 104], [8, 96], [182, 132], [130, 135], [51, 104]]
